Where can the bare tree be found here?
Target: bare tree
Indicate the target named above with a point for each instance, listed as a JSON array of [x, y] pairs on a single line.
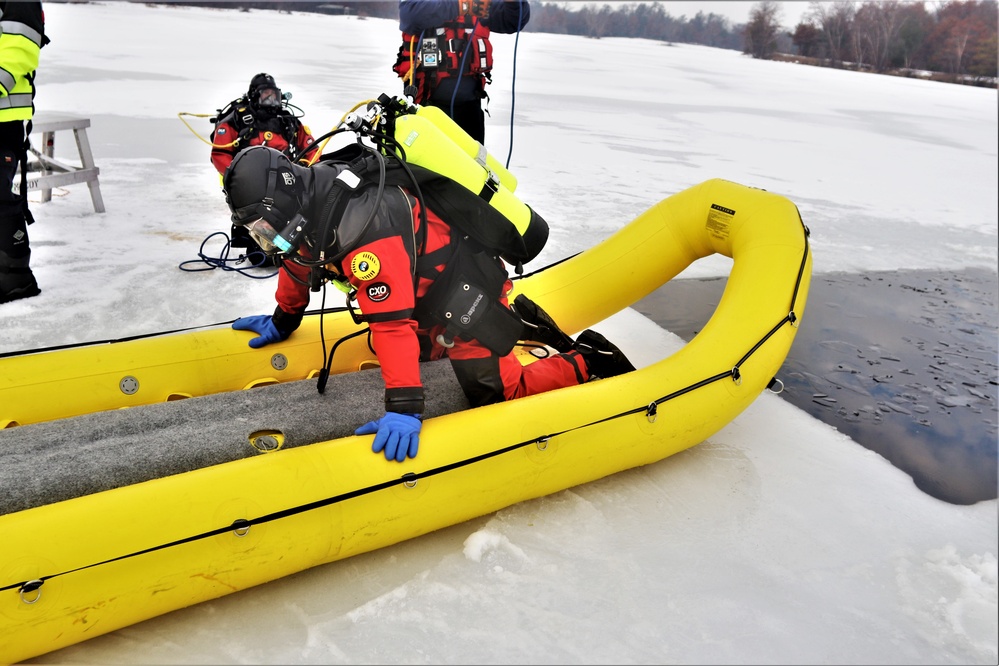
[[875, 30], [835, 19], [597, 21], [806, 39], [910, 43], [860, 37], [762, 29]]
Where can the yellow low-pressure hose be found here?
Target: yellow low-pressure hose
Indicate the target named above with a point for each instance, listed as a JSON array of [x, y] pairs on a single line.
[[195, 132], [408, 77]]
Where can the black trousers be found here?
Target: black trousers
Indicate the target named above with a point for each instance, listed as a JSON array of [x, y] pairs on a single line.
[[13, 226]]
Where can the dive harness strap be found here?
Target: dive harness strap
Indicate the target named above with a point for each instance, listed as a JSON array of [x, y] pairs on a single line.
[[344, 186]]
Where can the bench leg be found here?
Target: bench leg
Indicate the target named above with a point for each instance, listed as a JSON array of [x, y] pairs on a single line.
[[48, 149], [87, 158]]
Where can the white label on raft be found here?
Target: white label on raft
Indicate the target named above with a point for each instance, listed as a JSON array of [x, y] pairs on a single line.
[[718, 221], [411, 138]]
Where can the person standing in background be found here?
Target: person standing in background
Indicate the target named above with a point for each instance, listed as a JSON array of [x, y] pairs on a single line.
[[446, 57], [22, 36]]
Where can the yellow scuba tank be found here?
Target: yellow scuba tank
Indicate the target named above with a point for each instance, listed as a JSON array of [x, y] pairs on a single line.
[[431, 147], [472, 148]]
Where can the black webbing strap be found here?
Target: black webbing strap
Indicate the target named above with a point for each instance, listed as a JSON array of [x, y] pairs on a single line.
[[426, 266], [28, 217]]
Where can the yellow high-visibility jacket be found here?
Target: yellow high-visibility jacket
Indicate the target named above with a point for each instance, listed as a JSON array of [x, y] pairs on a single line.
[[22, 35]]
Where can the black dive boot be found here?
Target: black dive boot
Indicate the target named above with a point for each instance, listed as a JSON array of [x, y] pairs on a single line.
[[539, 326], [603, 359], [16, 279]]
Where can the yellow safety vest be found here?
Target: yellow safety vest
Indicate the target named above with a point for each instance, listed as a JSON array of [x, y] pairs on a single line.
[[20, 45]]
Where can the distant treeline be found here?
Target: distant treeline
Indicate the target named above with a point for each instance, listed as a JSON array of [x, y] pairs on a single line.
[[956, 38], [648, 20]]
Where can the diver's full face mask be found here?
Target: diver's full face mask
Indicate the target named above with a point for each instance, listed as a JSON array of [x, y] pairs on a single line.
[[272, 241], [264, 235], [269, 98]]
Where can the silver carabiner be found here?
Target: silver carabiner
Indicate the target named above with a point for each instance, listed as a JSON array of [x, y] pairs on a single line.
[[31, 586]]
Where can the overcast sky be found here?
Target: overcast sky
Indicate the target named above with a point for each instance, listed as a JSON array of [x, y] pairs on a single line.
[[737, 11]]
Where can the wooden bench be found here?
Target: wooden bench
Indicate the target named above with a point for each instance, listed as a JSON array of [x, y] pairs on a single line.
[[45, 172]]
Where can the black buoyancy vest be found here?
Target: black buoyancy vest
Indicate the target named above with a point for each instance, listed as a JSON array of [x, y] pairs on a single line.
[[238, 114]]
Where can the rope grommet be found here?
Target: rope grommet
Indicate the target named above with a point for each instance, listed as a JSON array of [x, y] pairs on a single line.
[[409, 480], [793, 318], [29, 587], [736, 376], [775, 382], [652, 411], [240, 527], [542, 443], [265, 443]]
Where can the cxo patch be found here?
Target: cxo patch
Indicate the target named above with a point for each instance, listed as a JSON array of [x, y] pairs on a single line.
[[378, 292]]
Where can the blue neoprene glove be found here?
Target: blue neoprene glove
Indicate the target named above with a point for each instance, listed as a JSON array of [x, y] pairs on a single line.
[[263, 326], [398, 434]]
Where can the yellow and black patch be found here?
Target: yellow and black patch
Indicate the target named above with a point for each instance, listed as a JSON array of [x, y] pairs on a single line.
[[365, 266]]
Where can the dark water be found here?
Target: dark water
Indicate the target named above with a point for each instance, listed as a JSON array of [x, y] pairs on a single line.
[[903, 362]]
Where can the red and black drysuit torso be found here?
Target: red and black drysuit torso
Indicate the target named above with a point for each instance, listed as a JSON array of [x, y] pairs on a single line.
[[398, 267], [241, 128]]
